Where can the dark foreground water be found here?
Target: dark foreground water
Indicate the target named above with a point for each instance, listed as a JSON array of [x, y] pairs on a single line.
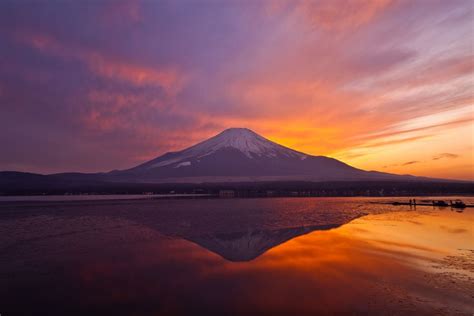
[[281, 256]]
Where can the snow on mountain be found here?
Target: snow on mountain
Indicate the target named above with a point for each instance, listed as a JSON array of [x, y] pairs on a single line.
[[239, 154], [246, 141]]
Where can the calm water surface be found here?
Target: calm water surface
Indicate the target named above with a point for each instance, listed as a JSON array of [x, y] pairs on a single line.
[[281, 256]]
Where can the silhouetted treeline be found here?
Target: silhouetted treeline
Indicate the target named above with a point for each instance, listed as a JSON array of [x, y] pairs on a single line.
[[30, 184]]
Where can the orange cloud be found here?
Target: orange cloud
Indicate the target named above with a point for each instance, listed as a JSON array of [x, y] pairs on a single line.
[[168, 78], [419, 129], [342, 15], [395, 141]]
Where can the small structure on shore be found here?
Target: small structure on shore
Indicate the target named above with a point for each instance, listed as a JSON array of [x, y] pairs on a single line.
[[457, 204], [440, 203], [227, 193]]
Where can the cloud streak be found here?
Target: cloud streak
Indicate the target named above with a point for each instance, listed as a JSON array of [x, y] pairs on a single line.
[[445, 156], [166, 78], [410, 163]]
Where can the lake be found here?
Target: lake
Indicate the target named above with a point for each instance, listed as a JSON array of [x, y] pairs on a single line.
[[204, 256]]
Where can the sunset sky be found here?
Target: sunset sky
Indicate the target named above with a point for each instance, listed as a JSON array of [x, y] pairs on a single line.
[[99, 85]]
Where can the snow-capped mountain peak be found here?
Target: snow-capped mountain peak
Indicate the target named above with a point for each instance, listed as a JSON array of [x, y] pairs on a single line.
[[240, 155], [245, 140]]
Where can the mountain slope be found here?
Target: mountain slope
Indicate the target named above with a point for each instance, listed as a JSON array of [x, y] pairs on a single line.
[[239, 154]]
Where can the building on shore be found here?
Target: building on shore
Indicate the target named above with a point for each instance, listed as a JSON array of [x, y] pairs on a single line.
[[227, 193]]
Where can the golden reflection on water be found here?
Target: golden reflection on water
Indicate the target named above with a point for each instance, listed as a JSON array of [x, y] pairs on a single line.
[[373, 264], [410, 262], [378, 258], [439, 230]]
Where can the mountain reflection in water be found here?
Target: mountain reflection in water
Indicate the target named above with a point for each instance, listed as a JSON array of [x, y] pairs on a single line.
[[246, 257], [245, 246]]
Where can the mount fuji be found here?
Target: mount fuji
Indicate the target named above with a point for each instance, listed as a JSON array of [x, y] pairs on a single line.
[[241, 155]]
